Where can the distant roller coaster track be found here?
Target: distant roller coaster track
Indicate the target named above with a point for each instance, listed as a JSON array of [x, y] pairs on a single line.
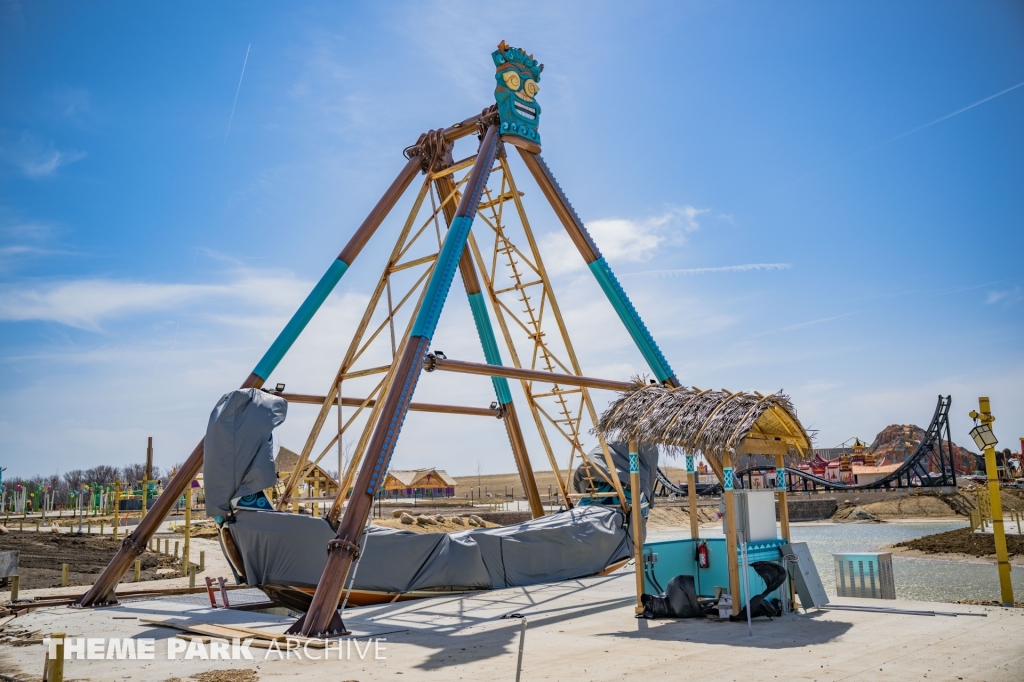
[[931, 465]]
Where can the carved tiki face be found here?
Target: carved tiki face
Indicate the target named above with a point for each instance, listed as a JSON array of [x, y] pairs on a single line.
[[517, 74]]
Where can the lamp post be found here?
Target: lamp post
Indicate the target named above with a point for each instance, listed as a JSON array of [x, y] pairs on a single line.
[[986, 441]]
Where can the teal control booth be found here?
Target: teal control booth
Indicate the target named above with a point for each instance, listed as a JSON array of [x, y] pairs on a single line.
[[665, 560]]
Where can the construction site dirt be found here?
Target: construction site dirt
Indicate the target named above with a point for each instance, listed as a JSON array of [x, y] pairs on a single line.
[[42, 555]]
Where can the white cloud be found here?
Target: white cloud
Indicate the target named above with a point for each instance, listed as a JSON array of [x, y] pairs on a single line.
[[34, 156], [88, 303], [1008, 296], [622, 240]]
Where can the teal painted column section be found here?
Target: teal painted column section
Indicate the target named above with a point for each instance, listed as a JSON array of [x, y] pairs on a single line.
[[631, 319], [300, 319], [441, 280], [490, 344]]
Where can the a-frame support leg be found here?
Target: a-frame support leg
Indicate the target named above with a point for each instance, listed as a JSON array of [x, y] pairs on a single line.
[[445, 188], [599, 267], [102, 591], [322, 617]]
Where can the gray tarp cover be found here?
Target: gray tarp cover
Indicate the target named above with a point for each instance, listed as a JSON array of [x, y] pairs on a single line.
[[289, 549], [239, 450], [620, 455]]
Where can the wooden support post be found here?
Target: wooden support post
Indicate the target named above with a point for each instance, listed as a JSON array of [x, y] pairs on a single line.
[[176, 549], [15, 584], [138, 570], [102, 591], [55, 669], [445, 188], [185, 553], [101, 527], [202, 560], [191, 577], [730, 532], [780, 488], [636, 526], [783, 502], [63, 575], [691, 495]]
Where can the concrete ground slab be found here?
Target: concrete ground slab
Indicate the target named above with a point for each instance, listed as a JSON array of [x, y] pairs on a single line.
[[577, 630]]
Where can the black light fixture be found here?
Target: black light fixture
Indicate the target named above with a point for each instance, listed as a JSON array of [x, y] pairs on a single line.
[[440, 354], [279, 388]]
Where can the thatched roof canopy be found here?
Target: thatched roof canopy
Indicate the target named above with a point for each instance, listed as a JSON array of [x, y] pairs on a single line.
[[711, 422]]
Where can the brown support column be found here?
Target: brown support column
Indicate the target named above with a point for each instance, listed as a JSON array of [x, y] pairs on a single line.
[[323, 618], [445, 187], [730, 533], [102, 591]]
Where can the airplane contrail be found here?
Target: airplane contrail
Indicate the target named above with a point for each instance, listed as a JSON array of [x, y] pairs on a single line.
[[909, 132], [702, 271], [237, 90]]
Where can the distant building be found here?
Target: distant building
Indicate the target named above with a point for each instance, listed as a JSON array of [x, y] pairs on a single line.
[[864, 474], [316, 484], [403, 483]]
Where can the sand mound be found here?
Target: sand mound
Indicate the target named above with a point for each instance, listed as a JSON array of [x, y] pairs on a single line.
[[911, 507], [962, 541], [446, 526], [677, 517]]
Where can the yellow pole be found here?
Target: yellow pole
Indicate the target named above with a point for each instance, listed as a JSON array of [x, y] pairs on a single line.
[[56, 667], [637, 527], [145, 485], [730, 532], [117, 499], [188, 527], [691, 494], [984, 415]]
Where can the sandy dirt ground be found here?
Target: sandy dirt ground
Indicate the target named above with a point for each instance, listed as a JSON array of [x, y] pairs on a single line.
[[215, 565], [960, 545], [928, 506], [498, 485], [663, 517], [909, 507], [42, 554]]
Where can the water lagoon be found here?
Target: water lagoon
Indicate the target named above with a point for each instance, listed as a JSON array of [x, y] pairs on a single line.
[[916, 579]]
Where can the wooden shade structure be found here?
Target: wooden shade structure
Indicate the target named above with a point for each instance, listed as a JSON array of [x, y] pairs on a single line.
[[719, 425], [714, 423]]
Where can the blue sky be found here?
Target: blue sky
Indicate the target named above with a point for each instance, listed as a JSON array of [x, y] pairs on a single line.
[[148, 254]]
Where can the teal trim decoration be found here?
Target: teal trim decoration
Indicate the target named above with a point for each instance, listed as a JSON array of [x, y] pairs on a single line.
[[631, 319], [634, 463], [300, 319], [441, 279], [780, 479], [517, 75], [727, 482], [490, 344], [690, 463]]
